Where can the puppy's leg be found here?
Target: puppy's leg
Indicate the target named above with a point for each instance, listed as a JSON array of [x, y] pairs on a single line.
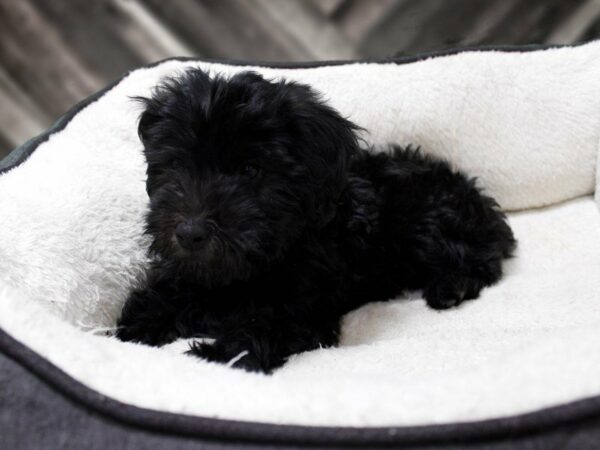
[[149, 316], [447, 236], [263, 342]]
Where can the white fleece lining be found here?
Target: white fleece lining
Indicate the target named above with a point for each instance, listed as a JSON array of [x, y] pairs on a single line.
[[527, 343], [525, 123], [597, 193]]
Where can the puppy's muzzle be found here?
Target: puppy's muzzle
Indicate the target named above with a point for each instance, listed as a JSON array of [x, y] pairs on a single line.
[[191, 234]]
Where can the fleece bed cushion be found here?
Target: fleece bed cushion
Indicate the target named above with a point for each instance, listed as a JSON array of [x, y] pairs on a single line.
[[520, 363]]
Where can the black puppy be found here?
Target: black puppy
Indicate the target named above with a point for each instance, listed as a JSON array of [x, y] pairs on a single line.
[[269, 222]]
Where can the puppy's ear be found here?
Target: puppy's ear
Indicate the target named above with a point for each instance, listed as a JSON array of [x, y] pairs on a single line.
[[328, 142], [175, 104], [168, 116], [148, 120]]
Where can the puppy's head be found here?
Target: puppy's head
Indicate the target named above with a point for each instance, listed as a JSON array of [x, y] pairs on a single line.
[[238, 169]]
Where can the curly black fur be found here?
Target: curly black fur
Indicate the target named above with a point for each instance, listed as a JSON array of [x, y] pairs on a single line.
[[269, 222]]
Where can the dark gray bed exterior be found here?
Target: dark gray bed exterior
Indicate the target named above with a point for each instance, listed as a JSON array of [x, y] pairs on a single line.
[[41, 407]]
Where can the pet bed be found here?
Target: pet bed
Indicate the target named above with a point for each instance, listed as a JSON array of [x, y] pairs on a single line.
[[519, 366]]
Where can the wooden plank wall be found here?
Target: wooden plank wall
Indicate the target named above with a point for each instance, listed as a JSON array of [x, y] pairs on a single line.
[[54, 53]]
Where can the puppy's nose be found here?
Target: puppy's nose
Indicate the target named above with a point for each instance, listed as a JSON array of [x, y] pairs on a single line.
[[191, 233]]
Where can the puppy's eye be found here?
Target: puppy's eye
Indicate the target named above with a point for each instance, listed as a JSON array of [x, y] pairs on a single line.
[[176, 164], [251, 170]]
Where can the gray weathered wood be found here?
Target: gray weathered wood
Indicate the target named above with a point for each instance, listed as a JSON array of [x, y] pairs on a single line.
[[54, 53]]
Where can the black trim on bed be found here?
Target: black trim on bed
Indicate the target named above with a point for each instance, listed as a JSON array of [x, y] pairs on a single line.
[[573, 425]]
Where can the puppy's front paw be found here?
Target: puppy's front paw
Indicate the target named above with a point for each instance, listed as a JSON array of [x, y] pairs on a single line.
[[145, 334], [233, 355], [446, 293]]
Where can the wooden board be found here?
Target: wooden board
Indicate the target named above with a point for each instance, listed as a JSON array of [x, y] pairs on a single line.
[[54, 53]]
